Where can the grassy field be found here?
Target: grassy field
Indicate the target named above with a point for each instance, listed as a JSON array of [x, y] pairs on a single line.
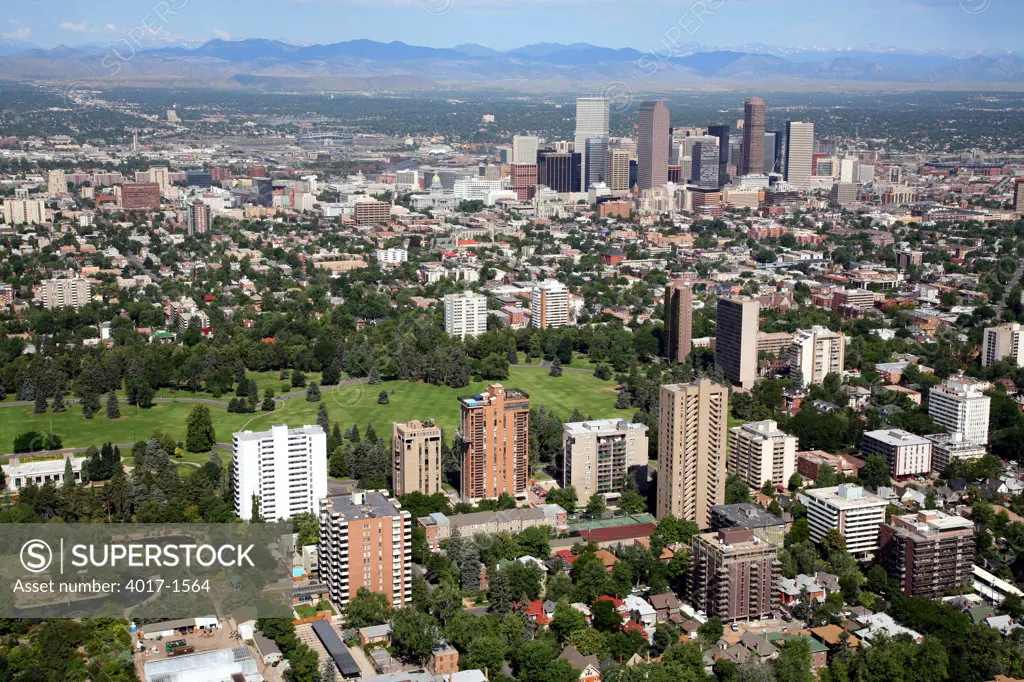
[[349, 405]]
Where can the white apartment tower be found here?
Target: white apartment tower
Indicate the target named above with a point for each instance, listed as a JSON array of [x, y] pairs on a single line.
[[854, 512], [600, 453], [816, 353], [760, 452], [799, 153], [465, 314], [1005, 342], [591, 121], [960, 404], [549, 305], [285, 469], [66, 293]]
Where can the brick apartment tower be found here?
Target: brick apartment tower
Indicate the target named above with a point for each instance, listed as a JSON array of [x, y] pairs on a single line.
[[679, 320], [494, 431], [692, 442], [732, 575], [365, 541], [416, 458], [755, 113], [930, 553]]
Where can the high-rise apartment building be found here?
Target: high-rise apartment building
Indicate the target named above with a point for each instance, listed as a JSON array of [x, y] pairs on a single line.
[[799, 152], [617, 170], [652, 145], [705, 170], [736, 339], [24, 211], [930, 553], [678, 320], [160, 175], [722, 133], [907, 454], [599, 455], [56, 183], [948, 447], [1003, 342], [365, 541], [755, 113], [74, 293], [465, 314], [959, 403], [1018, 195], [198, 218], [814, 354], [692, 442], [416, 458], [732, 575], [854, 512], [284, 470], [495, 435], [592, 115], [549, 305], [759, 452], [560, 171], [524, 149]]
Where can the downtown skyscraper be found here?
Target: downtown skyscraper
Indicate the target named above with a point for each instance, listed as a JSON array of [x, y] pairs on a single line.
[[652, 145], [754, 115], [799, 153], [591, 122]]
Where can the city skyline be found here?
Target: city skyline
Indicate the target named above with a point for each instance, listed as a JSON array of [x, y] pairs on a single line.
[[655, 26]]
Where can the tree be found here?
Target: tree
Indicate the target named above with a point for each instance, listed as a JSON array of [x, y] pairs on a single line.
[[566, 620], [59, 405], [712, 630], [795, 482], [382, 398], [875, 473], [268, 401], [588, 642], [794, 662], [90, 404], [499, 592], [200, 435], [313, 393], [620, 581], [41, 404], [298, 379], [256, 517], [596, 505], [589, 578], [367, 608], [113, 409], [632, 502], [556, 368], [322, 418], [69, 474], [604, 617], [736, 490], [565, 498], [414, 634]]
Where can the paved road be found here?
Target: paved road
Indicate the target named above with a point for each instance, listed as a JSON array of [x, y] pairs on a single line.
[[1009, 287], [204, 401]]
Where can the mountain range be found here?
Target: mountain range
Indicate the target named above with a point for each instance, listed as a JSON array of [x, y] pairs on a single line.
[[366, 65]]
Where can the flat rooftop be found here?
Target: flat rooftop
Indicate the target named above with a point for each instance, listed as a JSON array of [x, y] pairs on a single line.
[[602, 426], [845, 497], [896, 437], [746, 515], [261, 435], [362, 505]]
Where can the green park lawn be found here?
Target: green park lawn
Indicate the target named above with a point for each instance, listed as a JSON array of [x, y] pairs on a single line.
[[348, 405]]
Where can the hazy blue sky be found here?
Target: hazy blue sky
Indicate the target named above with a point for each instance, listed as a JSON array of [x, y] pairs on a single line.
[[502, 24]]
